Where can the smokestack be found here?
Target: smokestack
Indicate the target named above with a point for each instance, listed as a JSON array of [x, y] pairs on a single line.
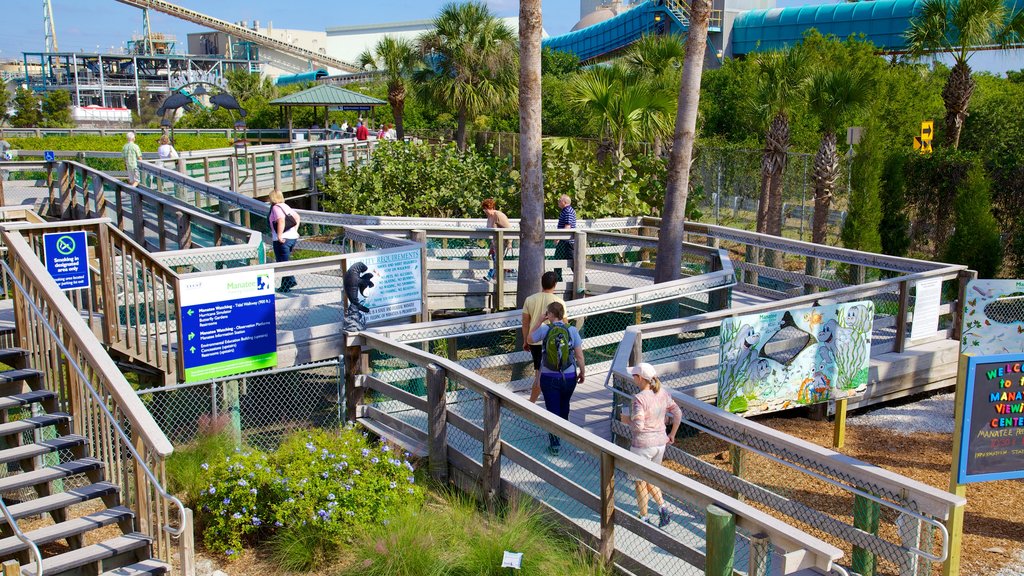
[[256, 25]]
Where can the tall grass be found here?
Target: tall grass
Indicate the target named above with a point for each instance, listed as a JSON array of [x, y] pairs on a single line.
[[448, 536], [185, 472]]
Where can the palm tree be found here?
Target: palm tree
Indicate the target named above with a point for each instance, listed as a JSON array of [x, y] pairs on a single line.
[[835, 94], [531, 225], [621, 107], [657, 59], [397, 58], [472, 62], [961, 27], [781, 82], [670, 236]]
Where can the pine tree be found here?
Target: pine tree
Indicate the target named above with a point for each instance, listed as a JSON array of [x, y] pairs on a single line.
[[57, 109], [975, 241], [27, 105], [894, 227], [861, 228]]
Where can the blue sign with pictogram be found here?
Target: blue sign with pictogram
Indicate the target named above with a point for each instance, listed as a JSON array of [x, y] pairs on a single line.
[[228, 324], [67, 259], [49, 156]]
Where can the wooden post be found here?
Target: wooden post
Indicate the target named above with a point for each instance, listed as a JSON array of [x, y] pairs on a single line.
[[963, 278], [420, 237], [142, 492], [955, 525], [719, 299], [753, 256], [901, 318], [12, 568], [277, 169], [105, 255], [865, 517], [490, 474], [206, 169], [812, 268], [234, 406], [579, 265], [839, 429], [760, 559], [499, 270], [138, 218], [736, 457], [607, 546], [187, 545], [353, 392], [437, 422], [233, 173], [721, 542]]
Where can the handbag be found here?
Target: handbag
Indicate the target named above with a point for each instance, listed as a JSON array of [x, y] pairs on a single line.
[[289, 219]]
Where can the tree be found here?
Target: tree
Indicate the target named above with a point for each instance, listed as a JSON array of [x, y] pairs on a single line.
[[5, 102], [27, 105], [677, 187], [894, 228], [245, 85], [781, 83], [472, 63], [531, 225], [656, 59], [556, 62], [861, 228], [620, 107], [975, 241], [398, 59], [835, 94], [961, 27], [57, 109]]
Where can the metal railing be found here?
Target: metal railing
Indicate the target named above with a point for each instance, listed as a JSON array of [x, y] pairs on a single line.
[[102, 404], [33, 549]]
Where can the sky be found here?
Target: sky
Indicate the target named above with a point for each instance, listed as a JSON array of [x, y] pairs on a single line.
[[103, 25]]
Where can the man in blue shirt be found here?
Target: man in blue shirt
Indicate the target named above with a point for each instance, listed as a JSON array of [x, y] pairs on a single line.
[[564, 249]]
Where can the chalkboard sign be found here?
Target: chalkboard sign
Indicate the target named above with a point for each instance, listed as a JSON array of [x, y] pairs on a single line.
[[992, 434]]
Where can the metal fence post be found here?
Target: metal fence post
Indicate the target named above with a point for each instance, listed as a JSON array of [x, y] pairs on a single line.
[[721, 541], [437, 422]]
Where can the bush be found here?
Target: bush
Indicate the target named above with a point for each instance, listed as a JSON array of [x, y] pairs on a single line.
[[185, 471], [422, 180], [315, 490]]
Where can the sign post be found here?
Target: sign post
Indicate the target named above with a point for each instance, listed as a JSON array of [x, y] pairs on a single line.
[[67, 259], [228, 324]]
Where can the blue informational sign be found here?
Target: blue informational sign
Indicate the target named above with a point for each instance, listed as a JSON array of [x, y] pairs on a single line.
[[228, 324], [992, 426], [49, 156], [67, 259], [356, 108]]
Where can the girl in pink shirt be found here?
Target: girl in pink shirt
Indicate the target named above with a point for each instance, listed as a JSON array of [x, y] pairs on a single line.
[[647, 422]]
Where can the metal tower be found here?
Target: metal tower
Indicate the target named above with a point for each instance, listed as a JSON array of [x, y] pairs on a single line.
[[48, 28], [147, 32]]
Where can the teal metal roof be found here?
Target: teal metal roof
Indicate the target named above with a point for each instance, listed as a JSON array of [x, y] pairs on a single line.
[[883, 22], [327, 95]]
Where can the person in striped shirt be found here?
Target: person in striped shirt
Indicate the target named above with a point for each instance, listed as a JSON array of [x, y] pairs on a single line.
[[564, 250]]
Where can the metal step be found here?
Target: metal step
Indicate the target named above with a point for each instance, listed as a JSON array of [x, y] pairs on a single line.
[[89, 554], [153, 567], [18, 375], [29, 424], [48, 474], [66, 529], [27, 451], [53, 502], [16, 400]]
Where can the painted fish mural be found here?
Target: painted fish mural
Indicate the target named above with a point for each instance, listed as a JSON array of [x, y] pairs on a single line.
[[993, 321], [828, 349]]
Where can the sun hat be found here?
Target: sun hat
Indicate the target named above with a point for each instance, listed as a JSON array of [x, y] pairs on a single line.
[[645, 370]]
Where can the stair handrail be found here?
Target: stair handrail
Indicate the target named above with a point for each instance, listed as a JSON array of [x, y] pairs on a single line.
[[120, 391], [21, 536]]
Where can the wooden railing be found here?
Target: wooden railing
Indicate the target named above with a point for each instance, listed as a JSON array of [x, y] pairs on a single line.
[[102, 404], [798, 550]]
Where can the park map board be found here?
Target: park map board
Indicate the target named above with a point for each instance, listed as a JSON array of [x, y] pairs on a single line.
[[992, 432]]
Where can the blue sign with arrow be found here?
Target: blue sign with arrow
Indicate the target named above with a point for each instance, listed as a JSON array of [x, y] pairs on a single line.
[[228, 324], [67, 259]]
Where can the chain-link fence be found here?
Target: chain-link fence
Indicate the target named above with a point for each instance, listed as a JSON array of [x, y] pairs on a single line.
[[258, 408]]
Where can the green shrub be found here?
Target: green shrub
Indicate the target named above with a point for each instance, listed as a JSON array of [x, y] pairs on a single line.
[[975, 241], [302, 547], [328, 482]]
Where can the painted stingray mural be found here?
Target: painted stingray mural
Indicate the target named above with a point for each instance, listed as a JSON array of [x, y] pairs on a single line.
[[821, 354], [993, 317]]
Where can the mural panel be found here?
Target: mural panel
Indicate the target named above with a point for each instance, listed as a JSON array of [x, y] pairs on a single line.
[[993, 317], [784, 359]]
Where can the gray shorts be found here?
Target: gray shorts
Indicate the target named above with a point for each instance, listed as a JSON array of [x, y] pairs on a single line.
[[133, 175]]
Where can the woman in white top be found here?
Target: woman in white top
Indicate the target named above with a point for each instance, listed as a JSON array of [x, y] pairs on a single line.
[[284, 231], [165, 151]]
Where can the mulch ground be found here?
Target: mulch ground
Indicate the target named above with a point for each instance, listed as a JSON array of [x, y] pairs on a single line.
[[993, 521]]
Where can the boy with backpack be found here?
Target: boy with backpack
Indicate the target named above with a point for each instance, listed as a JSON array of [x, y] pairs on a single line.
[[561, 366]]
